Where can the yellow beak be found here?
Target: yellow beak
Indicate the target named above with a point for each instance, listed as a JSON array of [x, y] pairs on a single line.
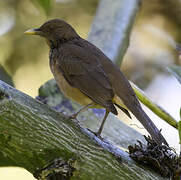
[[31, 32]]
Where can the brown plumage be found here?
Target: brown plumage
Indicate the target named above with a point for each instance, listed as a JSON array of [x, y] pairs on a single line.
[[86, 75]]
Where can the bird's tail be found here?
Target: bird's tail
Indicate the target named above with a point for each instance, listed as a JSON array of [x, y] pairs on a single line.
[[118, 102], [125, 92], [149, 125]]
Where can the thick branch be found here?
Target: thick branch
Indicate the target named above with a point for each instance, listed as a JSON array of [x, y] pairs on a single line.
[[112, 26], [32, 135]]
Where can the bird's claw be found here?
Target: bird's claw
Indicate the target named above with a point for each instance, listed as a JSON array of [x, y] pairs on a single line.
[[97, 134], [73, 116]]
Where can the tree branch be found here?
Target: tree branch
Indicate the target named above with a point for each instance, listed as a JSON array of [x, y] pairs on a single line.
[[32, 135], [112, 26]]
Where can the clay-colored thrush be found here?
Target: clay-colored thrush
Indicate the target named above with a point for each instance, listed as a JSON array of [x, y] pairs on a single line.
[[86, 75]]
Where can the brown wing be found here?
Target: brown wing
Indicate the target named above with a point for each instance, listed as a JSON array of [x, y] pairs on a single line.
[[83, 71]]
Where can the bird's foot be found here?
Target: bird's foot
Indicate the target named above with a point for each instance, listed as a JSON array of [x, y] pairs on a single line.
[[73, 116], [97, 134]]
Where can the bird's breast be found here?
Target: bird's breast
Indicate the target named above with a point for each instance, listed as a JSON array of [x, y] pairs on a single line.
[[69, 91]]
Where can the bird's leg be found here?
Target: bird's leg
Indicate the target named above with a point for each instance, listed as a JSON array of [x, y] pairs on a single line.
[[74, 116], [98, 133]]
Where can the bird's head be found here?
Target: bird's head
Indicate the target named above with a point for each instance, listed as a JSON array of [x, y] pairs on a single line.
[[54, 31]]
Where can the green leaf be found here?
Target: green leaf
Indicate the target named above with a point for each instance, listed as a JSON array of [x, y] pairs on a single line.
[[45, 4], [176, 71], [179, 131]]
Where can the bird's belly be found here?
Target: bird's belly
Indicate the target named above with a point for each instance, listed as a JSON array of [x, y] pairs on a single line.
[[69, 91], [77, 96]]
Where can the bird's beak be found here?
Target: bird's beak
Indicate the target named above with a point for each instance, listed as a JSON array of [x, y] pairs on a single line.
[[32, 32]]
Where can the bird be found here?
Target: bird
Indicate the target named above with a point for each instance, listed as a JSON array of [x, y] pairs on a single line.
[[87, 76]]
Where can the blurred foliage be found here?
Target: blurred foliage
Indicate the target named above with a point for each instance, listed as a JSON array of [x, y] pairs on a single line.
[[176, 71], [149, 53], [45, 4], [4, 76], [168, 8], [20, 55], [153, 42], [16, 49]]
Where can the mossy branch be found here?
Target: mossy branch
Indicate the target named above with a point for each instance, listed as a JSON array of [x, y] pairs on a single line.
[[37, 138]]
